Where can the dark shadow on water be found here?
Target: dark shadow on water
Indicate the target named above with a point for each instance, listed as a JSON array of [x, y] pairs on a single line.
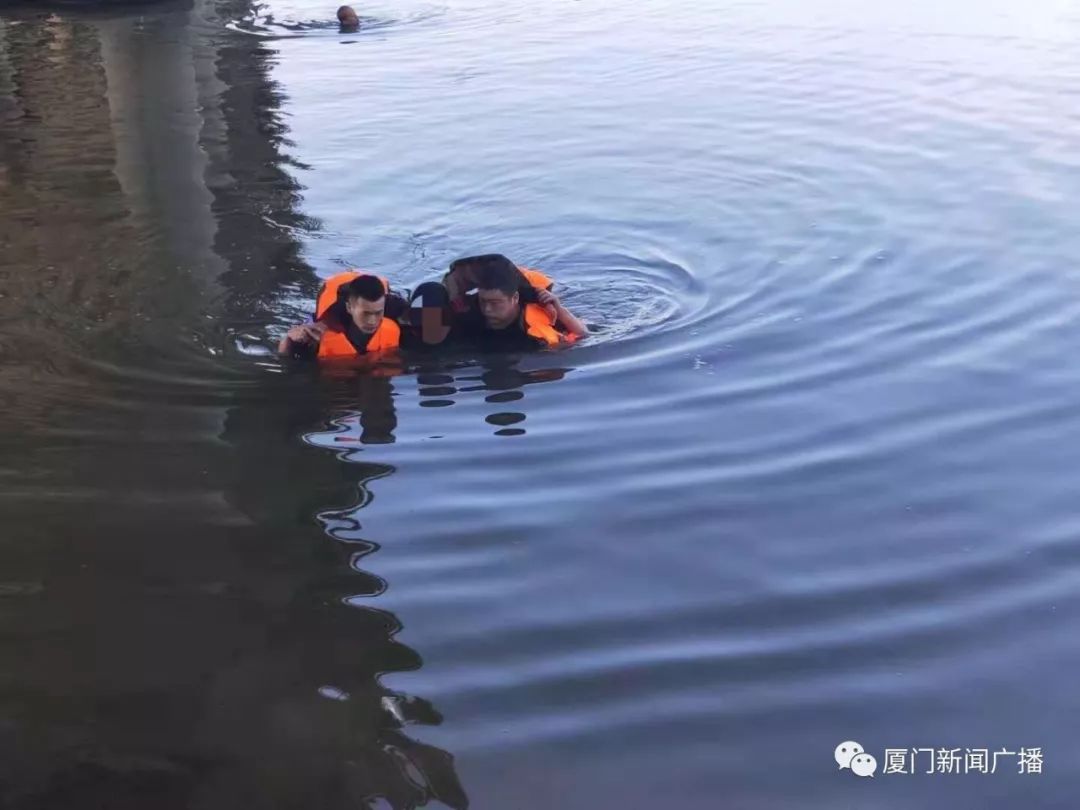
[[334, 643], [179, 630], [441, 381], [357, 408], [186, 611], [364, 393]]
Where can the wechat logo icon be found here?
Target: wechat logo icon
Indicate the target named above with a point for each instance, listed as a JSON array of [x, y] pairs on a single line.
[[853, 756]]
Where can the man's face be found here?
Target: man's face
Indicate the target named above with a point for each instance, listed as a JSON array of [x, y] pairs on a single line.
[[499, 309], [367, 315]]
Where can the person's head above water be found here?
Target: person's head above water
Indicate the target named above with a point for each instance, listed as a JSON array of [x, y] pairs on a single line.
[[429, 312], [365, 300], [498, 284], [348, 18]]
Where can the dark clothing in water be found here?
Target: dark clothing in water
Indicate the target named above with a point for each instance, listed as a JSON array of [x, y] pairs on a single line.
[[513, 338], [410, 338]]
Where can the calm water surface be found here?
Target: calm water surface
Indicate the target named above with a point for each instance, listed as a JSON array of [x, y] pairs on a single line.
[[814, 479]]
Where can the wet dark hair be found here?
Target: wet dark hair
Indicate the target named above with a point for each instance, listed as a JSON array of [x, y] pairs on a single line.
[[430, 294], [495, 272], [367, 287]]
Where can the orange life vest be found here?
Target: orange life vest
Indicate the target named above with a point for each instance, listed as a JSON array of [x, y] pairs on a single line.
[[538, 323], [334, 342], [537, 279]]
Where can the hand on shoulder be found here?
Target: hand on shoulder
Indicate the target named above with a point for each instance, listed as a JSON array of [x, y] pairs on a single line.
[[549, 301]]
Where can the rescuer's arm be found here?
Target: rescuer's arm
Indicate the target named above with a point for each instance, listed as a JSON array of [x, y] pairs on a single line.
[[563, 317], [305, 335]]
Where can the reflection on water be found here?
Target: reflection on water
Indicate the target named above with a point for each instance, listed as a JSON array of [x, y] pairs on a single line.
[[346, 643], [368, 395], [198, 643], [369, 421]]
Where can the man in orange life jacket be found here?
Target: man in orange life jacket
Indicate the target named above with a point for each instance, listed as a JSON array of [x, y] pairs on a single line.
[[513, 310], [349, 319]]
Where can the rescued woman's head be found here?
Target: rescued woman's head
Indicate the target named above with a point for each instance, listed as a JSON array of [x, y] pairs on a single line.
[[429, 312]]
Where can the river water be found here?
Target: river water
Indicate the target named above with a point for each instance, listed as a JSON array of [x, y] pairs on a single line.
[[814, 478]]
